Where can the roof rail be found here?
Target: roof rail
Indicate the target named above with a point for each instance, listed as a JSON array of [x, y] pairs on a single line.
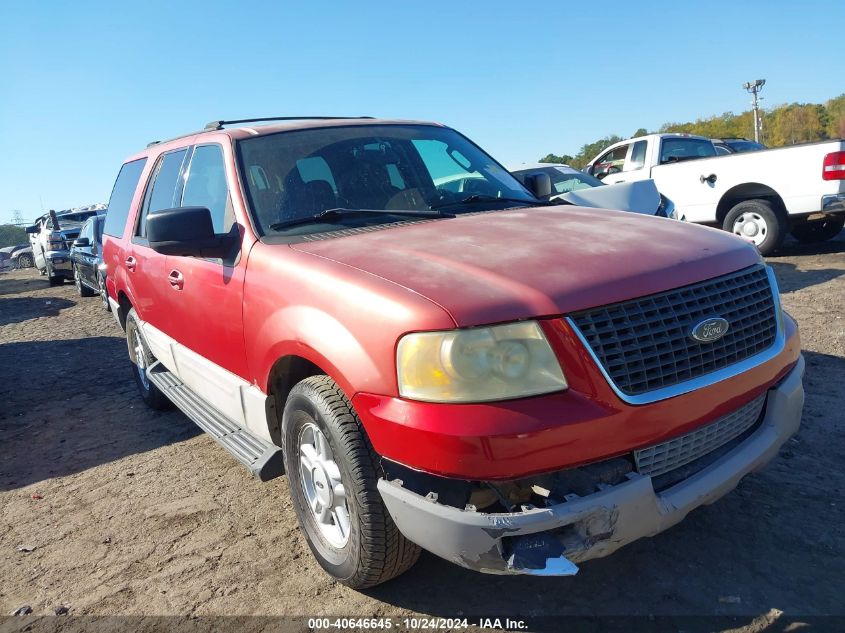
[[218, 125]]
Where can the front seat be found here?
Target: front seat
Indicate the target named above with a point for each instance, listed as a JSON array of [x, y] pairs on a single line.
[[302, 199]]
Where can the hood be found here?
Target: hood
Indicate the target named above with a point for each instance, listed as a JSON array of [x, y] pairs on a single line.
[[640, 196], [517, 264]]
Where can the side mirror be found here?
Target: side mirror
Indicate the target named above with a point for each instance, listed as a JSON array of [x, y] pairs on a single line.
[[188, 232], [588, 170], [539, 184], [32, 229], [82, 242]]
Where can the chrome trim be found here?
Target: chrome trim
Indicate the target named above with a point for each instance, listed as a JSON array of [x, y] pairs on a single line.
[[707, 379], [834, 203]]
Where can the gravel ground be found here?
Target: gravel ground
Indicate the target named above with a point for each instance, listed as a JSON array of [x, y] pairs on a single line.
[[129, 511]]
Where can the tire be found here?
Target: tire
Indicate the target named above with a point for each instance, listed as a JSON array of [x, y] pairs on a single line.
[[25, 261], [81, 288], [103, 292], [760, 222], [373, 550], [140, 351], [55, 280], [818, 230]]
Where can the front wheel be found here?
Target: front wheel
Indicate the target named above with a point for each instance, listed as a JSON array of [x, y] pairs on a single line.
[[818, 230], [81, 288], [758, 222], [332, 472], [25, 261], [104, 293]]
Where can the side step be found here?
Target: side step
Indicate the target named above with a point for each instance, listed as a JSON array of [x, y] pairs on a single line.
[[262, 459]]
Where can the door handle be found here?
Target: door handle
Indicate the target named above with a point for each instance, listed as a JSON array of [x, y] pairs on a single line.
[[711, 179], [130, 264], [176, 279]]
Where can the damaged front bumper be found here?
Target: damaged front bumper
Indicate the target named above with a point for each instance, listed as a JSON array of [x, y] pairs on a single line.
[[551, 540]]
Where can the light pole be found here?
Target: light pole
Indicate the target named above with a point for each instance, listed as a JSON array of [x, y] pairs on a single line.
[[754, 87]]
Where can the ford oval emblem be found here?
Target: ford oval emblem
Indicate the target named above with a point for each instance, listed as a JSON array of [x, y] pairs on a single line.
[[710, 330]]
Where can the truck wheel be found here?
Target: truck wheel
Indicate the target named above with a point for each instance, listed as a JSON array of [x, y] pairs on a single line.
[[81, 288], [818, 230], [141, 357], [332, 471], [759, 222]]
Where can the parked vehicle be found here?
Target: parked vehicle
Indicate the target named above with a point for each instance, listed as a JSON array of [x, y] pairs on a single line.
[[575, 187], [761, 195], [5, 261], [21, 256], [51, 237], [86, 256], [736, 145], [515, 387]]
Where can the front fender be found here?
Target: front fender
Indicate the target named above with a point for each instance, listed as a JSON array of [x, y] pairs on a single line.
[[302, 331]]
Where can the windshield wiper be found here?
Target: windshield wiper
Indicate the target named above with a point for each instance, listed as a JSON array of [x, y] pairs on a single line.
[[477, 197], [333, 215]]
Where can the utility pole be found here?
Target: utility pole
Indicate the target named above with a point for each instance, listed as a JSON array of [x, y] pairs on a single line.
[[755, 87]]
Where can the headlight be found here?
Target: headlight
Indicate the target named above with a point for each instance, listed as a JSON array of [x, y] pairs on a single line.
[[478, 365]]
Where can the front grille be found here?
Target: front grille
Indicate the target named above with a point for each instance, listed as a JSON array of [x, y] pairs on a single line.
[[662, 458], [645, 344]]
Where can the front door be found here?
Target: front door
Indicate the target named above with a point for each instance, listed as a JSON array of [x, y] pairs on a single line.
[[205, 296]]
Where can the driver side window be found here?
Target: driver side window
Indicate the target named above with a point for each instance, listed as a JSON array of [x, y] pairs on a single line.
[[613, 161]]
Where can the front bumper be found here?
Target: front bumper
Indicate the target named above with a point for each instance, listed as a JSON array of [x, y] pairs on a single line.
[[548, 541], [60, 263]]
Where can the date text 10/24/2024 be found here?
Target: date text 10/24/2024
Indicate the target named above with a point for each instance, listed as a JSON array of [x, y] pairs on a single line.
[[415, 624]]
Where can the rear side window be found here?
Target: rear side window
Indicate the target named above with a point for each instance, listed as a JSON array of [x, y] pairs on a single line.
[[163, 191], [675, 149], [121, 197], [637, 160], [206, 186]]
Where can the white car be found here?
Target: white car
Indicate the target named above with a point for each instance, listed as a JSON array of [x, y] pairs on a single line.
[[576, 187], [761, 195]]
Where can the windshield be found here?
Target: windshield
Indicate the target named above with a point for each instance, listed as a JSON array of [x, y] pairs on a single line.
[[297, 175], [564, 178]]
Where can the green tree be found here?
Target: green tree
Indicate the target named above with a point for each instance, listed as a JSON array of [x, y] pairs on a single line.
[[640, 132], [554, 158], [796, 123], [11, 235], [835, 111]]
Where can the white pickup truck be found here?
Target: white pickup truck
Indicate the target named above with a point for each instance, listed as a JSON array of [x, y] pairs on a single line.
[[761, 195]]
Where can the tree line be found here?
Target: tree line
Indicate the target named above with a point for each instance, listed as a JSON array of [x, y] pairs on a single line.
[[787, 124]]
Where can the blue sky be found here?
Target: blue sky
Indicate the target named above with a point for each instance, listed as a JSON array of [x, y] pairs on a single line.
[[84, 84]]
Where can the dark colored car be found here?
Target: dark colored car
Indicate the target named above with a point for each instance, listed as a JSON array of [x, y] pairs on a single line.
[[736, 145], [86, 256]]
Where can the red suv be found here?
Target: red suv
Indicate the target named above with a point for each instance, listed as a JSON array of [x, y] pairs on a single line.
[[514, 386]]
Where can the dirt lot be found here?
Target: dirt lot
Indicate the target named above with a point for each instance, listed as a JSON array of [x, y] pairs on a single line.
[[135, 512]]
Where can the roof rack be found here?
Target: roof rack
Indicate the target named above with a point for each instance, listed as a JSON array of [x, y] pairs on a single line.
[[218, 125]]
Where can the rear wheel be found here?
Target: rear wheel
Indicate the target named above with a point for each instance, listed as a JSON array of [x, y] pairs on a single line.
[[142, 358], [818, 230], [25, 261], [332, 472], [758, 222]]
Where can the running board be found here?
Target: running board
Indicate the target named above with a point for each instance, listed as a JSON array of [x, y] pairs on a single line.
[[262, 459]]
